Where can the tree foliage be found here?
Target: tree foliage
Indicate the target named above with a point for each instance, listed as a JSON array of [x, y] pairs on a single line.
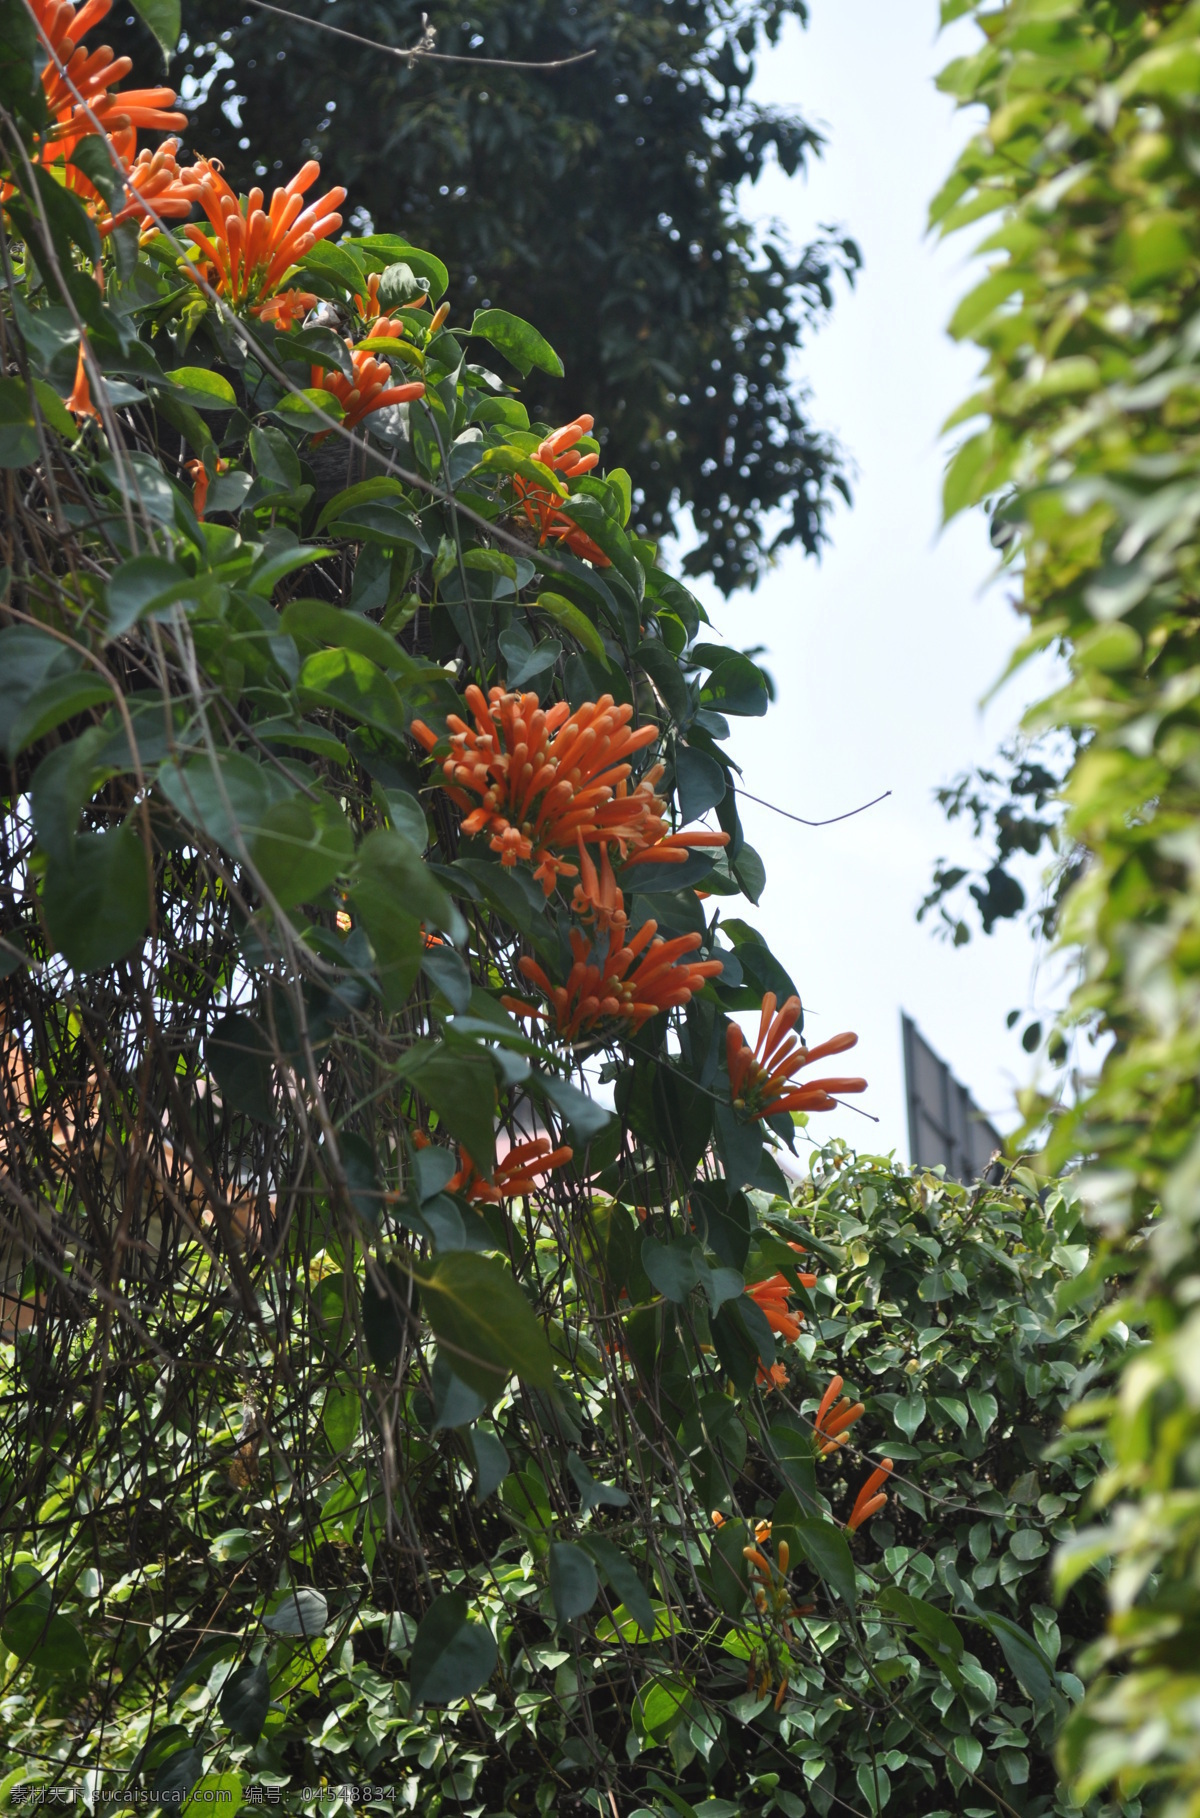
[[1086, 317], [599, 201], [377, 1406]]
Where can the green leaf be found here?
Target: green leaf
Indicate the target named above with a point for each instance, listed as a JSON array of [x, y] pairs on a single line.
[[245, 1700], [984, 1407], [451, 1655], [795, 1463], [98, 904], [226, 797], [302, 1611], [593, 1495], [336, 263], [65, 779], [309, 408], [661, 1705], [319, 622], [58, 699], [341, 1415], [736, 686], [671, 1267], [390, 249], [146, 583], [908, 1414], [202, 388], [460, 1085], [573, 1583], [224, 1791], [363, 492], [18, 433], [399, 284], [700, 782], [585, 1115], [349, 682], [517, 341], [827, 1552], [269, 570], [379, 522], [392, 861], [238, 1056], [485, 1323], [162, 16], [1026, 1660], [173, 1779], [492, 1463], [729, 1569], [45, 1640], [386, 1300], [620, 1573], [300, 846], [575, 622]]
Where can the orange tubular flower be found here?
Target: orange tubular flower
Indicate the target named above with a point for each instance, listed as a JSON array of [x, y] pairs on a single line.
[[522, 1170], [158, 189], [77, 82], [771, 1298], [543, 508], [597, 898], [541, 776], [867, 1502], [286, 308], [759, 1076], [831, 1424], [371, 390], [200, 483], [80, 401], [546, 777], [249, 251], [619, 990]]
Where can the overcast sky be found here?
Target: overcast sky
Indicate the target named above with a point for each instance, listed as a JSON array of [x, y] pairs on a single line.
[[883, 650]]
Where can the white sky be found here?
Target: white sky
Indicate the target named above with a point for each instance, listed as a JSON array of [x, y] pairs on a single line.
[[882, 651]]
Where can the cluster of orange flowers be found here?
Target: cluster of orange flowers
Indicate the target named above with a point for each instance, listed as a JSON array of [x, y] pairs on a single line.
[[370, 389], [832, 1423], [541, 781], [79, 87], [543, 508], [759, 1077], [248, 247], [636, 979], [521, 1171], [771, 1298], [248, 250]]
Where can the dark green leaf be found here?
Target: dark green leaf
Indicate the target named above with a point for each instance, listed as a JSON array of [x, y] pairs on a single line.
[[162, 16], [492, 1463], [302, 1611], [246, 1699], [486, 1325], [826, 1550], [517, 341], [671, 1267], [239, 1058], [460, 1085], [620, 1573], [573, 1583], [451, 1656], [98, 904], [729, 1570], [18, 434], [300, 846]]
